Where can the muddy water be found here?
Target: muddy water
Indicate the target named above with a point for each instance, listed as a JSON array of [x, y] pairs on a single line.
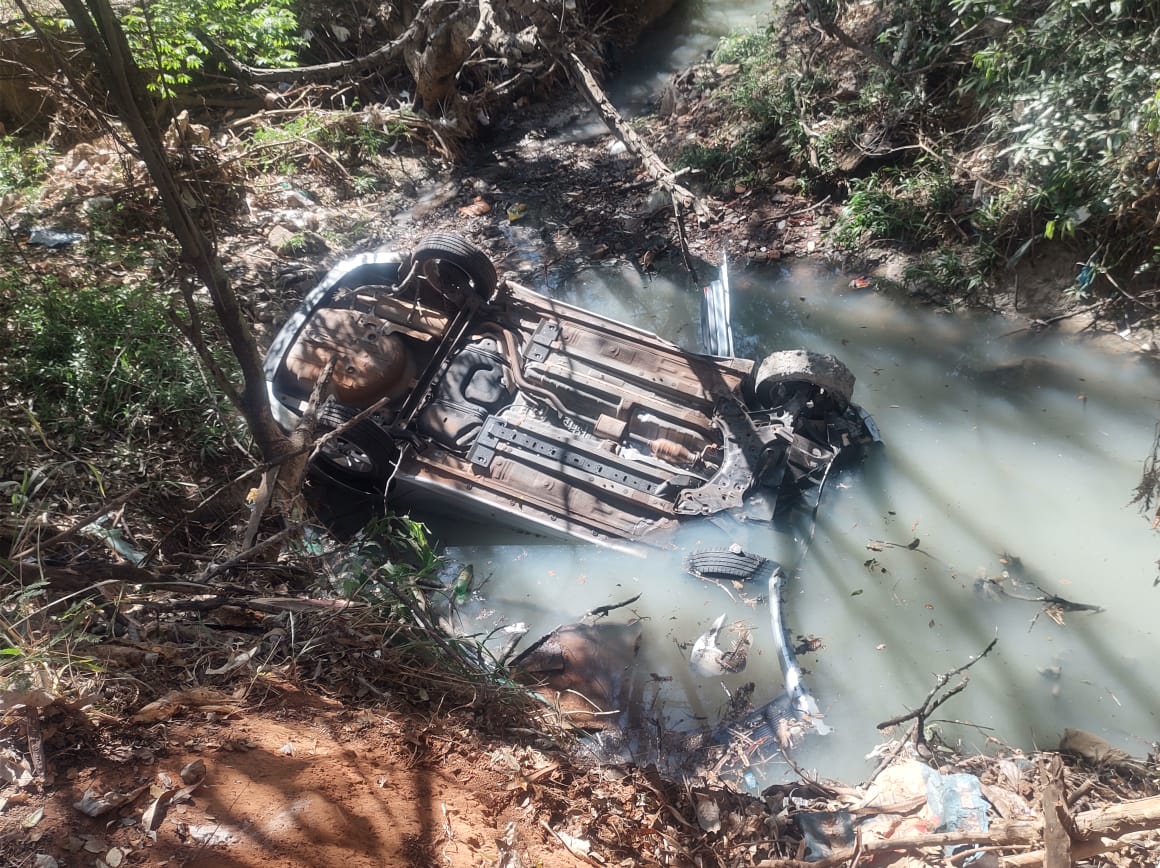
[[1012, 454]]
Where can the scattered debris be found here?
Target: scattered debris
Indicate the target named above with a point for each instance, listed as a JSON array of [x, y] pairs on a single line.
[[202, 698], [708, 660], [53, 239], [92, 805]]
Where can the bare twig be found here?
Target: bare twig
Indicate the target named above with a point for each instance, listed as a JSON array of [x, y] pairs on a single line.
[[244, 555], [931, 702], [80, 524], [381, 57]]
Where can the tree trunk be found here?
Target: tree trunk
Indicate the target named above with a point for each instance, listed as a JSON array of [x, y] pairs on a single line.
[[102, 35]]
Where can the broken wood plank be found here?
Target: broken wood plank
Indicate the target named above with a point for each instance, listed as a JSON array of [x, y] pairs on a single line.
[[1056, 840]]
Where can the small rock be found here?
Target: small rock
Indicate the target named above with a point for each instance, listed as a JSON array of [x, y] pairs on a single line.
[[97, 204], [297, 199], [708, 814], [193, 772], [278, 237]]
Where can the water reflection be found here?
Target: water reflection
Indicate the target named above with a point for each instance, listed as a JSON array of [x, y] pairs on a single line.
[[997, 448]]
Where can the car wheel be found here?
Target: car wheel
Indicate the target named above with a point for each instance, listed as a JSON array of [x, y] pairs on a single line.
[[801, 366], [363, 454], [455, 267]]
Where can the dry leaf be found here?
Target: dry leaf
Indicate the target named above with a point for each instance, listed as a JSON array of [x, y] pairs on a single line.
[[239, 659], [35, 698], [92, 805], [155, 814], [15, 770], [708, 814]]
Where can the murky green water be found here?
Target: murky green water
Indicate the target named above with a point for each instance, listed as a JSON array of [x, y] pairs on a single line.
[[1015, 453]]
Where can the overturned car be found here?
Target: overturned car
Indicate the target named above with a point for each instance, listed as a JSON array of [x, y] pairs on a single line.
[[486, 398]]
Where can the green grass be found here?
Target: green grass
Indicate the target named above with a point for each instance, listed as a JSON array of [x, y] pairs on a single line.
[[23, 165], [907, 207], [92, 359]]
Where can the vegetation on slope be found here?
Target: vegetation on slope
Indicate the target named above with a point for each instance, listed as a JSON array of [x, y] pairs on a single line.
[[969, 129]]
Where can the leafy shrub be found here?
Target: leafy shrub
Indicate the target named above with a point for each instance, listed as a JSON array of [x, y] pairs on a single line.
[[776, 97], [22, 166], [954, 271], [280, 147], [719, 165], [164, 35], [1046, 114], [1066, 92], [904, 207], [385, 563], [103, 357]]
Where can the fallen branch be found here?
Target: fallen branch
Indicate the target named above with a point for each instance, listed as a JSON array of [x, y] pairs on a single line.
[[84, 577], [1000, 834], [380, 58], [217, 569], [657, 169], [932, 700], [1056, 836], [292, 470], [831, 28], [1101, 830], [1097, 831], [603, 611]]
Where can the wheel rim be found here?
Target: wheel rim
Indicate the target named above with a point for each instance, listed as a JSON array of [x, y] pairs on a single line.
[[348, 456], [448, 279]]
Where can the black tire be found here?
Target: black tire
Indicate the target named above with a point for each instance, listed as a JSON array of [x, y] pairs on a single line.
[[801, 366], [455, 267], [363, 455], [727, 564]]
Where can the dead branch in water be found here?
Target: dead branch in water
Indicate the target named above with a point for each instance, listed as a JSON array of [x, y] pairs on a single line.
[[657, 169], [933, 700]]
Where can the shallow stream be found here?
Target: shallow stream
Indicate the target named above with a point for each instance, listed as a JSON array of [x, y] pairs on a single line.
[[1003, 452]]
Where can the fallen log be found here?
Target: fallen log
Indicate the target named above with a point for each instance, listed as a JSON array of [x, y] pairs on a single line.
[[1000, 834], [1056, 836], [1099, 830]]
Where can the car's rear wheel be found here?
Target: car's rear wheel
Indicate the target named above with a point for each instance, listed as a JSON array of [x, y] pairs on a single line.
[[363, 454], [455, 267], [781, 370]]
